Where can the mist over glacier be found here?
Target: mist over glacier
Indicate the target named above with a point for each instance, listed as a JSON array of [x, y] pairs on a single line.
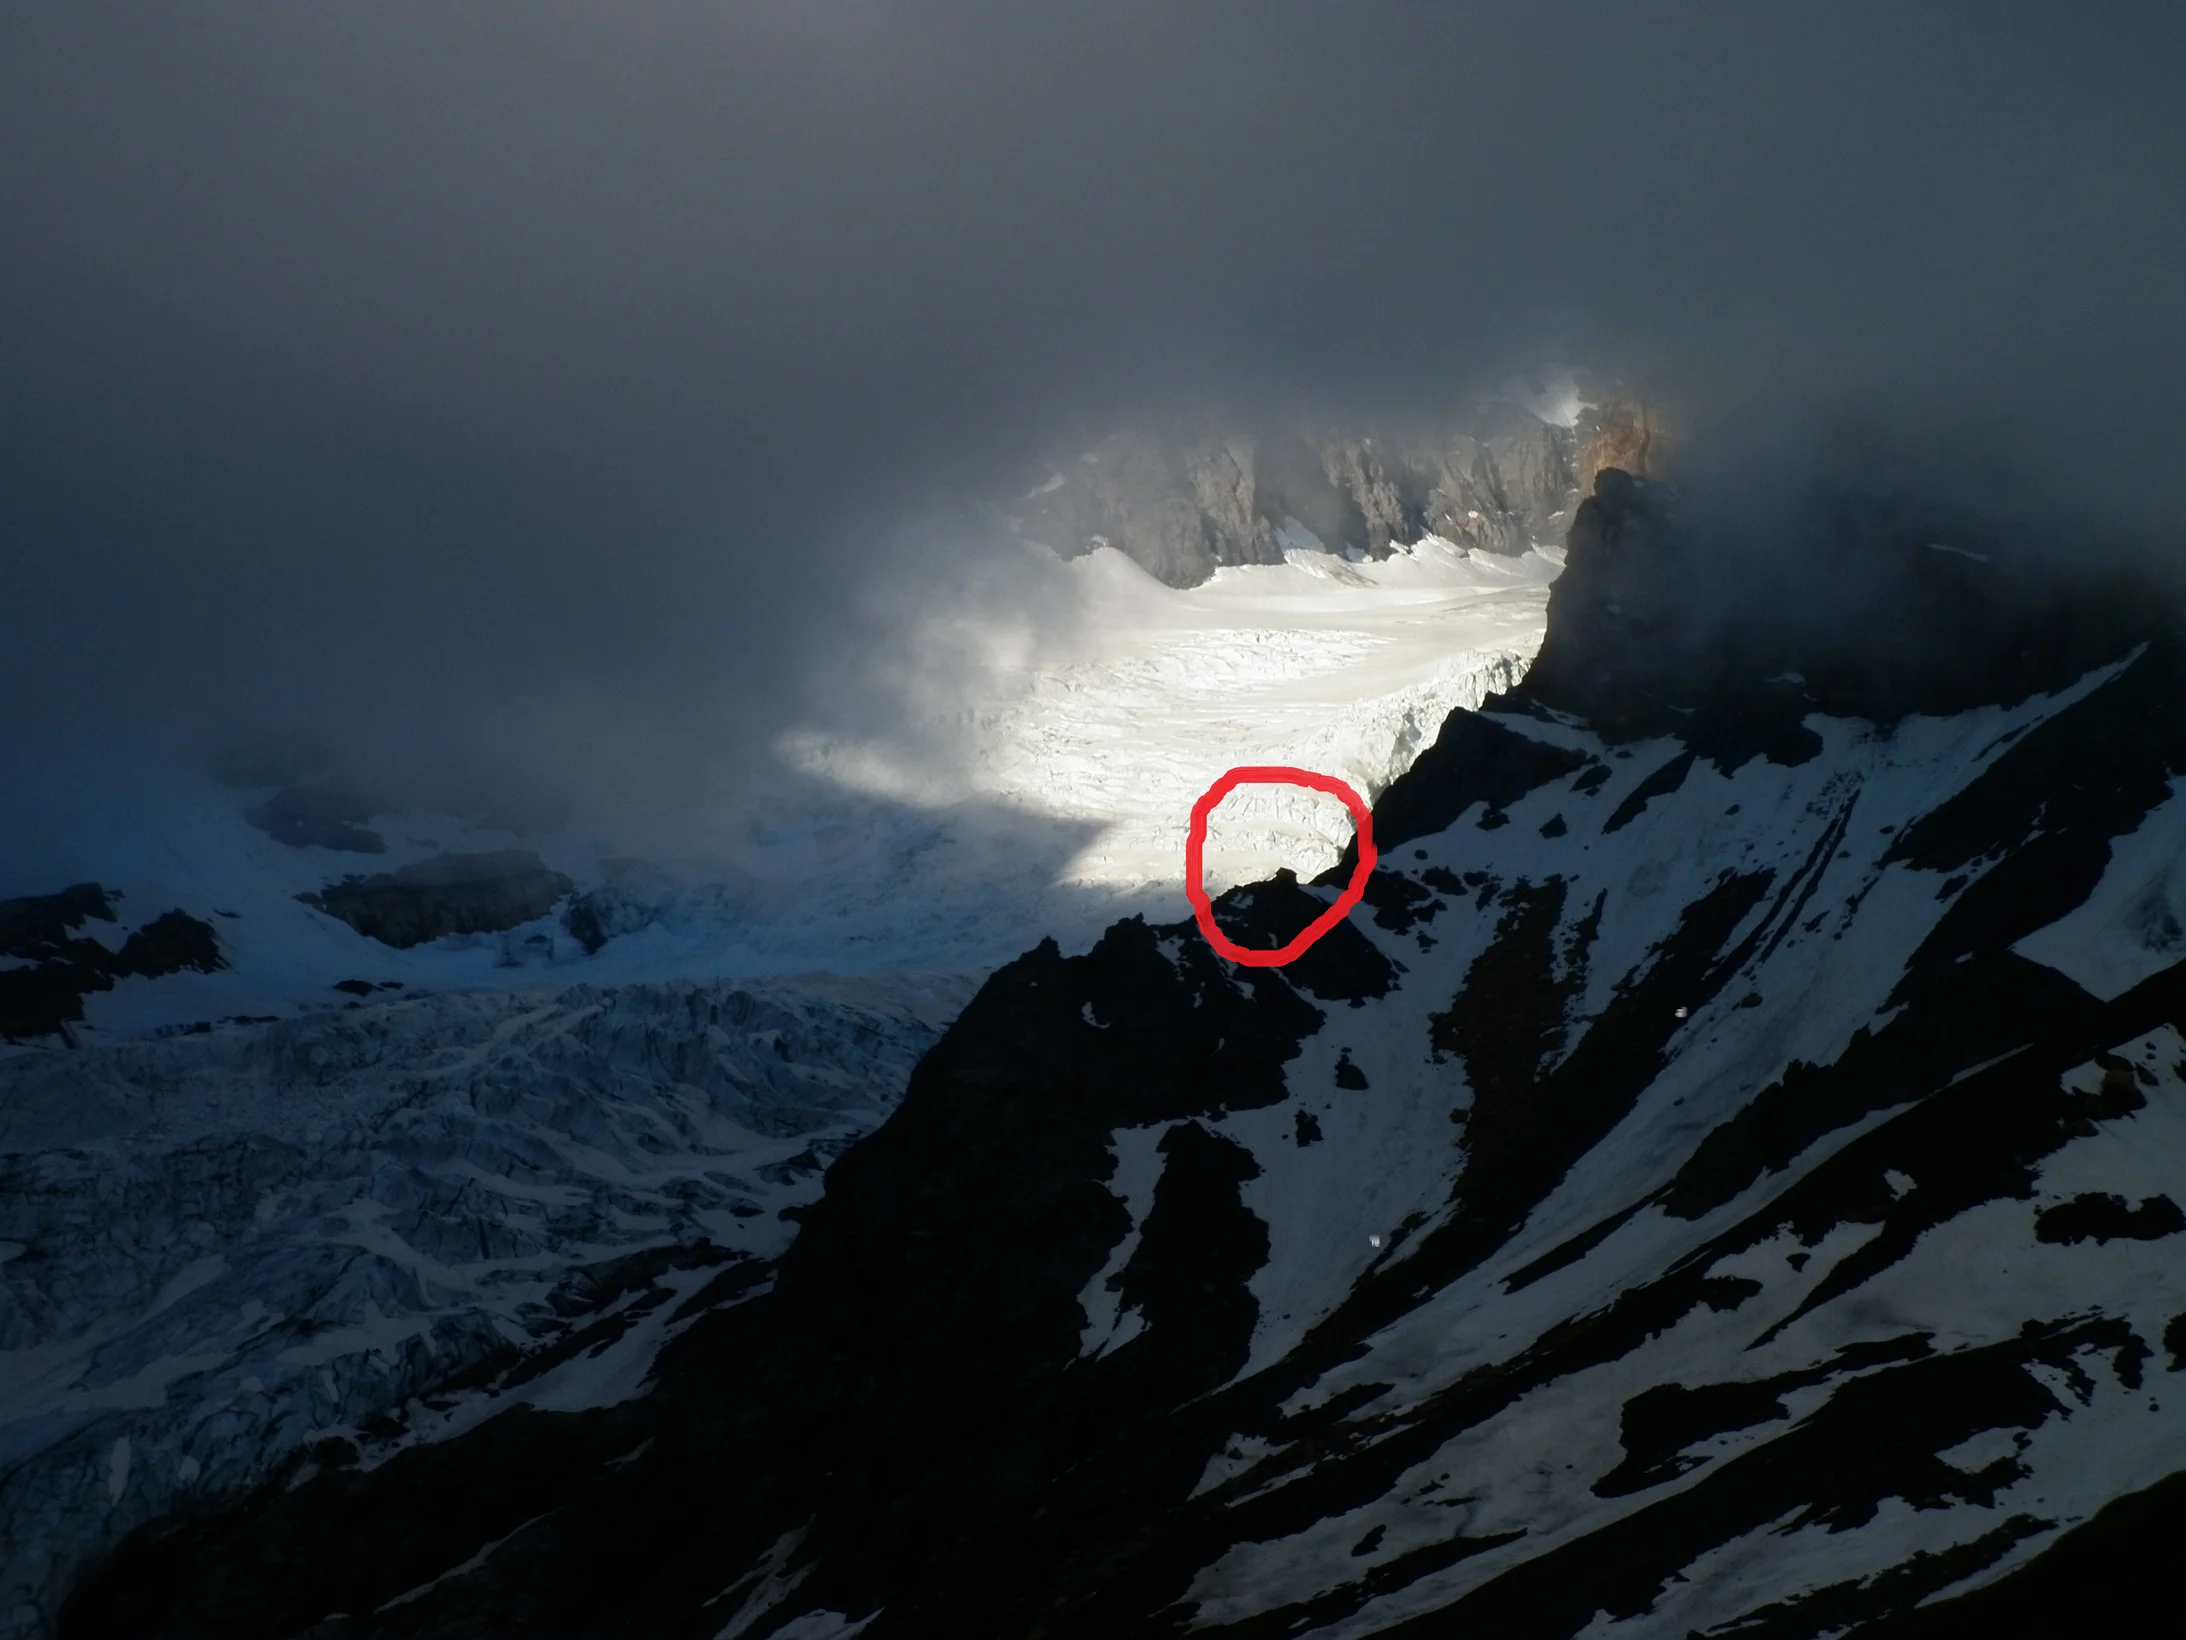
[[548, 402]]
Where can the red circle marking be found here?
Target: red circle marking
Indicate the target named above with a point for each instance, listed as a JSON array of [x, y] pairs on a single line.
[[1195, 849]]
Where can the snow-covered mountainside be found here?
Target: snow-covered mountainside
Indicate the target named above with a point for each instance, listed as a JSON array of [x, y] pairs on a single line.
[[288, 1180], [1722, 1183]]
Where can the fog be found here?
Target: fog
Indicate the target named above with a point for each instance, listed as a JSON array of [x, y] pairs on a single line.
[[568, 399]]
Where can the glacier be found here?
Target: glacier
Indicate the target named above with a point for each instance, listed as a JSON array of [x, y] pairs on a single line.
[[228, 1255]]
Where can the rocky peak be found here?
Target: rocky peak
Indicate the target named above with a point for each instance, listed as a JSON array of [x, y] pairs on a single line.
[[1671, 620], [448, 894], [1186, 501]]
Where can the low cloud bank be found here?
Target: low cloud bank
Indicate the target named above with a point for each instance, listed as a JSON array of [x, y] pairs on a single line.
[[555, 398]]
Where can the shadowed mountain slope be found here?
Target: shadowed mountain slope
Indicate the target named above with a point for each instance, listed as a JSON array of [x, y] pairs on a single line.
[[1663, 1209]]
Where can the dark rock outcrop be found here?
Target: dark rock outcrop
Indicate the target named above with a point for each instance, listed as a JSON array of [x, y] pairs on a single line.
[[449, 894], [1341, 966], [60, 967], [318, 817], [40, 925], [596, 917]]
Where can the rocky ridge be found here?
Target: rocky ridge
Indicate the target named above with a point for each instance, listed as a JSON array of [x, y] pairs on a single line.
[[56, 964], [1185, 502]]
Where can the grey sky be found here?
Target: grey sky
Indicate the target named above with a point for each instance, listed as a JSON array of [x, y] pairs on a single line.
[[412, 369]]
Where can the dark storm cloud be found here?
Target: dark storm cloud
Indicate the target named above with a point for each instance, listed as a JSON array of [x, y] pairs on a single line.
[[546, 379]]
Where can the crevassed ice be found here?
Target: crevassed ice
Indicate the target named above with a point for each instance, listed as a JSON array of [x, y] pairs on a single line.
[[1317, 663]]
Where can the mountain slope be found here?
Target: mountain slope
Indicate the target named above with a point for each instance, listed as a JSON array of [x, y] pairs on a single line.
[[1723, 1182]]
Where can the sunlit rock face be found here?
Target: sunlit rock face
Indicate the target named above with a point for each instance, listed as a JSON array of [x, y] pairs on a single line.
[[1723, 1181], [1184, 502]]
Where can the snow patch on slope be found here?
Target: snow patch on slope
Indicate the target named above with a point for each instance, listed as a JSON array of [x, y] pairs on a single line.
[[2134, 924]]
